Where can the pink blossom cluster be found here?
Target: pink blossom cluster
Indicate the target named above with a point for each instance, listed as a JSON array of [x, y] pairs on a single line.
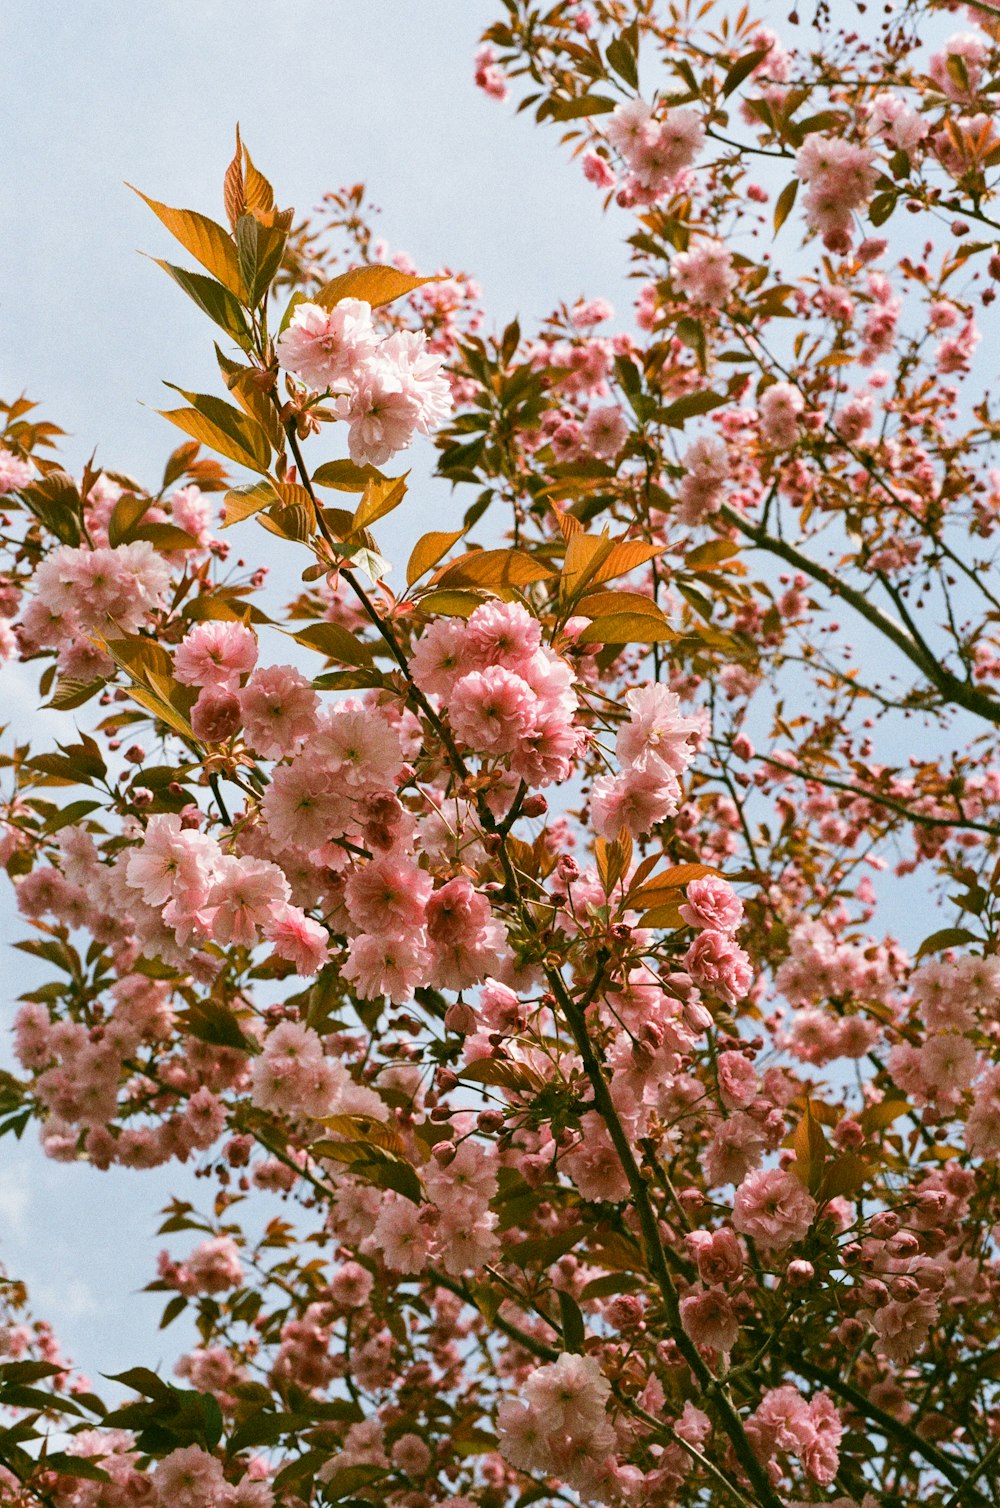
[[110, 590], [656, 151], [559, 1425], [14, 473], [654, 747], [841, 179], [508, 696], [705, 272], [387, 389]]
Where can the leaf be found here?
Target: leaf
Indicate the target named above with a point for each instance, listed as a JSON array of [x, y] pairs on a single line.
[[573, 1328], [126, 514], [712, 552], [207, 242], [628, 628], [450, 604], [211, 1021], [613, 859], [656, 891], [494, 568], [428, 550], [141, 1380], [623, 60], [948, 937], [626, 556], [502, 1073], [244, 502], [742, 69], [607, 604], [56, 502], [212, 299], [363, 1128], [373, 284], [379, 498], [336, 642], [346, 476], [260, 249], [543, 1250], [845, 1175], [583, 105], [810, 1147], [228, 432], [233, 186], [785, 203], [165, 536], [689, 407], [877, 1117], [341, 1484], [882, 207], [175, 1307]]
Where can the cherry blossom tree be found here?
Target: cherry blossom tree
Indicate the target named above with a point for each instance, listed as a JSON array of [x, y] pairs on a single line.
[[511, 926]]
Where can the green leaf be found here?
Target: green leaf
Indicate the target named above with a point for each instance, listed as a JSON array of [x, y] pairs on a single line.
[[573, 1328], [212, 299], [243, 502], [56, 503], [786, 200], [948, 937], [742, 69], [260, 249], [207, 242], [623, 60], [373, 284], [336, 642], [211, 1021], [688, 407], [226, 431], [576, 109], [345, 476]]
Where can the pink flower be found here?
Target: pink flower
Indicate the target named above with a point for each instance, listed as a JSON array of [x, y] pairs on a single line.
[[502, 633], [707, 466], [658, 736], [399, 1235], [359, 749], [297, 938], [171, 862], [717, 961], [328, 347], [215, 716], [191, 1478], [437, 658], [636, 799], [381, 415], [597, 170], [738, 1082], [216, 653], [773, 1208], [712, 903], [710, 1320], [779, 410], [215, 1265], [488, 76], [605, 431], [718, 1254], [379, 965], [705, 272], [492, 710], [243, 899], [292, 1075], [279, 710], [14, 473], [388, 895], [421, 374]]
